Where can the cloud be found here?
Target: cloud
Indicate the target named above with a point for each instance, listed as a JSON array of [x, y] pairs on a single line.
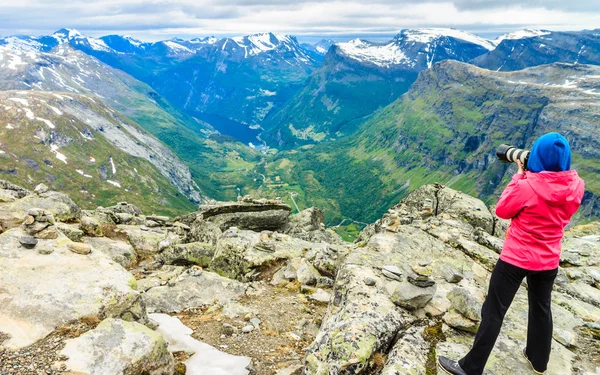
[[160, 19]]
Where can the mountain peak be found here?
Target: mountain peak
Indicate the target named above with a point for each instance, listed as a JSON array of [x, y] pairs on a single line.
[[521, 34], [67, 33], [427, 35]]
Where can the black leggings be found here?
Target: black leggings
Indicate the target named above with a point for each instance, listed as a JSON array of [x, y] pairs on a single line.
[[504, 284]]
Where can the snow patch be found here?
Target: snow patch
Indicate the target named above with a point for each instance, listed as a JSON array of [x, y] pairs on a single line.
[[378, 54], [115, 183], [10, 126], [92, 160], [83, 173], [20, 100], [267, 92], [29, 113], [430, 34], [58, 155], [55, 110], [206, 359], [47, 122], [112, 163], [521, 34]]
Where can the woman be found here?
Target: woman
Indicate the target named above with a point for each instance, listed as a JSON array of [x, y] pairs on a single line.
[[540, 203]]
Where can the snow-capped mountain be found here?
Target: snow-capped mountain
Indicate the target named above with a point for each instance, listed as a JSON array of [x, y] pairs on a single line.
[[521, 34], [319, 49], [528, 48], [358, 77], [418, 49]]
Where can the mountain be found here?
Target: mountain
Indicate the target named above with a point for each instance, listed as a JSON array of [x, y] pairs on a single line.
[[528, 48], [318, 50], [76, 143], [445, 129], [218, 164], [358, 77]]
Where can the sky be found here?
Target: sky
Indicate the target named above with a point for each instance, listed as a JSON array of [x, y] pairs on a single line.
[[309, 20]]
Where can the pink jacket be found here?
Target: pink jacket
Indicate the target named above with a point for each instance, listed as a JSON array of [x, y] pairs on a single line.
[[540, 206]]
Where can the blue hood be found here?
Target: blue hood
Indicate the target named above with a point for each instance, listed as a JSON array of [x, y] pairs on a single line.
[[551, 152]]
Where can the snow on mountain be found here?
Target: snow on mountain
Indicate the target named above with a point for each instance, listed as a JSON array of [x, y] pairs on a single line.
[[521, 34], [431, 34], [383, 55], [264, 42], [206, 40]]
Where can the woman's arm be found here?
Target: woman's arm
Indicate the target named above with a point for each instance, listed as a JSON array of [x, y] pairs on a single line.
[[513, 198]]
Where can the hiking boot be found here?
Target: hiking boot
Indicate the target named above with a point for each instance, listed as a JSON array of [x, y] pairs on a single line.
[[531, 364], [450, 366]]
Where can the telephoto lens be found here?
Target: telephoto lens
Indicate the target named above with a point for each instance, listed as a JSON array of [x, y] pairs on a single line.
[[510, 154]]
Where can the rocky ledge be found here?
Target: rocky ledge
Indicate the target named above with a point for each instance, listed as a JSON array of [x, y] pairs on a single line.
[[114, 291]]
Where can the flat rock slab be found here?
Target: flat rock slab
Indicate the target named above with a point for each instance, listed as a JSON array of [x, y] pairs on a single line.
[[246, 215], [193, 291], [38, 292], [118, 347]]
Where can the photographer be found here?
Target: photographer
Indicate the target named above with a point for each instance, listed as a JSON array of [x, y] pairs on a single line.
[[540, 203]]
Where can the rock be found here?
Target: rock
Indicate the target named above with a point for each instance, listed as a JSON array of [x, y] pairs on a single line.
[[228, 329], [564, 337], [159, 277], [409, 354], [10, 192], [320, 296], [412, 297], [193, 291], [58, 204], [295, 369], [464, 302], [119, 347], [197, 253], [41, 189], [234, 310], [161, 220], [124, 208], [458, 321], [420, 281], [91, 226], [392, 272], [71, 231], [247, 329], [119, 251], [50, 233], [422, 270], [79, 248], [28, 242], [255, 322], [451, 275], [145, 243], [370, 281], [73, 287], [250, 215], [306, 273]]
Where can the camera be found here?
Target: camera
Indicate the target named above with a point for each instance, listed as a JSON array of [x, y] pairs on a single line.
[[510, 154]]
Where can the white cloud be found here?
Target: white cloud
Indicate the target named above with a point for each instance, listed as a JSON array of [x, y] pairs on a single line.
[[162, 19]]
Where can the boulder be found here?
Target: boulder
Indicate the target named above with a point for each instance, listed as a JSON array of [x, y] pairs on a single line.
[[145, 242], [10, 192], [464, 302], [72, 231], [188, 291], [119, 251], [91, 226], [117, 347], [459, 322], [58, 204], [239, 251], [412, 297], [197, 253], [72, 286], [251, 214]]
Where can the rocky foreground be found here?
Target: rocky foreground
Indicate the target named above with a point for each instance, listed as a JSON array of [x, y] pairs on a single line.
[[246, 288]]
